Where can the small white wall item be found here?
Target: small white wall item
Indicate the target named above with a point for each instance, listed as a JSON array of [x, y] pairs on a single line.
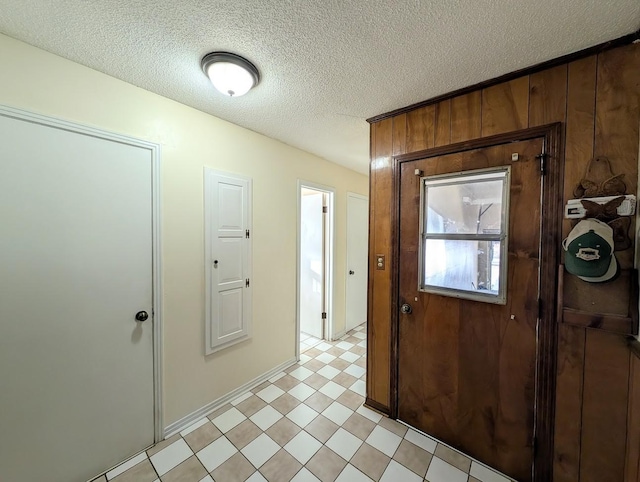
[[227, 210]]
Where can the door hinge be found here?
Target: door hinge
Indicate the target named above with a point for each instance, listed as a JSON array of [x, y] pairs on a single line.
[[246, 283], [325, 209], [543, 162], [246, 234], [324, 315]]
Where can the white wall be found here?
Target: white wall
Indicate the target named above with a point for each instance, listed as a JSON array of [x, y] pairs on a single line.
[[35, 80]]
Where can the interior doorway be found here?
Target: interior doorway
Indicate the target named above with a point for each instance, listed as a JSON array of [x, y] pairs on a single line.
[[315, 254]]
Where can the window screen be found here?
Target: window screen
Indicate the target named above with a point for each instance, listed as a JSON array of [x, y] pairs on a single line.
[[464, 231]]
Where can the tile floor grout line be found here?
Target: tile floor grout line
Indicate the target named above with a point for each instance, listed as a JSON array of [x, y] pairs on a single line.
[[346, 450]]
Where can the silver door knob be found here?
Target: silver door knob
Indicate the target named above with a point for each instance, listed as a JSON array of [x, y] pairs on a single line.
[[406, 308]]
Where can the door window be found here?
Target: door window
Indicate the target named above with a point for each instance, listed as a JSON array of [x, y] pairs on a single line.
[[464, 229]]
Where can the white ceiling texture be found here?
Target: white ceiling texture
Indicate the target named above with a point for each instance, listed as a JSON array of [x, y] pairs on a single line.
[[326, 65]]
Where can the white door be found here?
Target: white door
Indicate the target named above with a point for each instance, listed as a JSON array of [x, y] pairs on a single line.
[[357, 248], [76, 368], [311, 262], [227, 253]]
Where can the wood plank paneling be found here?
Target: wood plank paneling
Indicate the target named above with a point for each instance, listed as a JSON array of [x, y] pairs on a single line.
[[548, 96], [600, 107], [611, 297], [372, 296], [420, 128], [399, 137], [617, 115], [604, 407], [632, 469], [466, 117], [581, 118], [443, 123], [378, 387], [505, 107], [571, 345]]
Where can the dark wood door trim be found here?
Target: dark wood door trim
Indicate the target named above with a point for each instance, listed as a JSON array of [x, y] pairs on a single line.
[[552, 212]]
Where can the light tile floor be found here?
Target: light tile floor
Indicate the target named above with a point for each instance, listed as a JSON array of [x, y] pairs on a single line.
[[306, 424], [308, 341]]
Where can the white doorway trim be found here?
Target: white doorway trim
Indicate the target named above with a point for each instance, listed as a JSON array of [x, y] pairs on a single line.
[[330, 237], [154, 149]]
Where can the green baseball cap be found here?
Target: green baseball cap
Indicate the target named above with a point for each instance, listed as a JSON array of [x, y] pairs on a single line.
[[589, 251]]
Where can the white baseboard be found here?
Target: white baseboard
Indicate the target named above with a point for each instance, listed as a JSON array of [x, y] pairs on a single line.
[[211, 407], [337, 336]]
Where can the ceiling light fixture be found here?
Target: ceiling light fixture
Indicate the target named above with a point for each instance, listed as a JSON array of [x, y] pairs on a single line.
[[229, 73]]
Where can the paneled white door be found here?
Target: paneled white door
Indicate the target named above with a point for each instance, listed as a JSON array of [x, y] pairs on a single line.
[[228, 264], [357, 248], [76, 368]]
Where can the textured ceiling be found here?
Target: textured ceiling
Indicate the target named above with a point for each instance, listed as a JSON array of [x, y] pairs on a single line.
[[326, 65]]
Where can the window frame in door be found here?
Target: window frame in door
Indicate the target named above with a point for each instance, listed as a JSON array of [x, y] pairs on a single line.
[[458, 178]]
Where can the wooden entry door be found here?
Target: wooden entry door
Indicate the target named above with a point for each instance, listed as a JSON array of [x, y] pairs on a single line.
[[467, 369]]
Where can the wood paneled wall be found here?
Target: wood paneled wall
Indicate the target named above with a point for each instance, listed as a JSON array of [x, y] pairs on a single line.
[[597, 100], [632, 469]]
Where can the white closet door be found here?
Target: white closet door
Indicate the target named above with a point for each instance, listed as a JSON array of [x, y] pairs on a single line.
[[228, 249], [357, 248], [76, 368]]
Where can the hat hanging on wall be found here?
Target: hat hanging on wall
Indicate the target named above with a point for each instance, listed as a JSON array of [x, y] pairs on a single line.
[[589, 251]]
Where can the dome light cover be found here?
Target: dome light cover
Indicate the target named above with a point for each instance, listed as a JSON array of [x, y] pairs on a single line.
[[229, 73]]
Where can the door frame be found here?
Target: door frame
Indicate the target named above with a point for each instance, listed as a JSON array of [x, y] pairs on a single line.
[[156, 248], [550, 237], [355, 195], [330, 240]]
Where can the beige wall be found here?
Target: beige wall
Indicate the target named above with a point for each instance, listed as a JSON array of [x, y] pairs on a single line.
[[38, 81]]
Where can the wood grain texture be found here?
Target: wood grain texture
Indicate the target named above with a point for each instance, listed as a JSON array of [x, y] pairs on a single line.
[[505, 107], [548, 96], [467, 370], [617, 120], [581, 118], [434, 377], [378, 386], [420, 128], [632, 462], [372, 296], [614, 77], [604, 407], [548, 303], [607, 298], [399, 136], [623, 325], [549, 64], [571, 352], [466, 117], [443, 123]]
